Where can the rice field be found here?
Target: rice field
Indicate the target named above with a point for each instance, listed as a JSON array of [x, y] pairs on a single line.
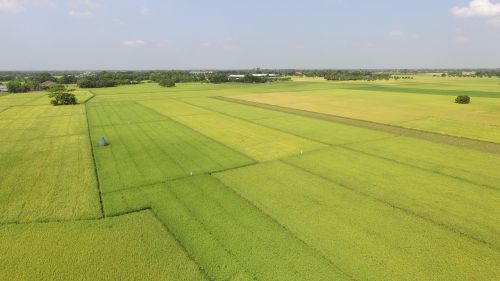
[[193, 186], [132, 247], [258, 142], [422, 109], [46, 165], [147, 148]]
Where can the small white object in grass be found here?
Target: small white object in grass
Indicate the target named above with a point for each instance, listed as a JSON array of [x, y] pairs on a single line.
[[190, 173], [301, 152]]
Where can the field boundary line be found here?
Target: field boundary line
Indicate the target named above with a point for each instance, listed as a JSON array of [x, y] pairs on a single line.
[[139, 187], [98, 184], [6, 108], [200, 268], [402, 209], [429, 91], [474, 144], [208, 231], [255, 123], [170, 118], [211, 111], [89, 99], [341, 145], [265, 215], [347, 147], [47, 221]]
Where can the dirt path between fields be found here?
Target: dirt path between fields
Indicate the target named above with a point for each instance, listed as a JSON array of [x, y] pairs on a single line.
[[479, 145]]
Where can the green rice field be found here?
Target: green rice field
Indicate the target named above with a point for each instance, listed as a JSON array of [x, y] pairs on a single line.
[[296, 180]]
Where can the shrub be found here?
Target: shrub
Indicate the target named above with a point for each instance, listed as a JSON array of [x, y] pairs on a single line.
[[60, 95], [18, 87], [462, 100], [167, 82]]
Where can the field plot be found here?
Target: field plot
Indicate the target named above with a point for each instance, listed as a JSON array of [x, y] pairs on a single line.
[[438, 198], [196, 186], [434, 113], [47, 171], [152, 148], [309, 128], [258, 142], [18, 99], [131, 247], [22, 123], [464, 164], [226, 235], [368, 239]]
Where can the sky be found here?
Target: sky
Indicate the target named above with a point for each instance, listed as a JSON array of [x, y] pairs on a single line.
[[220, 34]]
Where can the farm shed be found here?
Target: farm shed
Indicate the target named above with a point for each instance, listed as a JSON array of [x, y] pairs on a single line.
[[47, 84]]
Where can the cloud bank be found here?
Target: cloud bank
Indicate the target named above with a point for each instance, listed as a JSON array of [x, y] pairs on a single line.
[[11, 6], [477, 8]]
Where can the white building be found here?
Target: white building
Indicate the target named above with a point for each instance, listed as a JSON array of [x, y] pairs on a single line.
[[3, 88]]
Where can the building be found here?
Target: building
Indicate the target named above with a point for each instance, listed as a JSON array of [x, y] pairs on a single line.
[[47, 84], [3, 88], [236, 76], [261, 75]]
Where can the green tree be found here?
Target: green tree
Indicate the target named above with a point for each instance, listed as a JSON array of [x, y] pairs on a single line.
[[67, 79], [18, 87], [217, 78], [462, 100], [167, 82], [60, 95]]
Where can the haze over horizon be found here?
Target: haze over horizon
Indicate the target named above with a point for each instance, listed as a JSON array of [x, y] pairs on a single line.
[[342, 34]]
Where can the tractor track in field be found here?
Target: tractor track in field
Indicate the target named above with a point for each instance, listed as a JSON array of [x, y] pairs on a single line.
[[479, 145]]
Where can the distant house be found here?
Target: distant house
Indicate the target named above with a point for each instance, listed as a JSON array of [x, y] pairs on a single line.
[[236, 77], [47, 84], [241, 76], [3, 88]]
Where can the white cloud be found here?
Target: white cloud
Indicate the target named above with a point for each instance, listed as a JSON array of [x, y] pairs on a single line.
[[396, 34], [144, 12], [477, 8], [132, 43], [80, 14], [88, 3], [11, 6]]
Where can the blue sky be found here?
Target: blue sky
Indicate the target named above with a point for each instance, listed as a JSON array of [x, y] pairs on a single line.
[[219, 34]]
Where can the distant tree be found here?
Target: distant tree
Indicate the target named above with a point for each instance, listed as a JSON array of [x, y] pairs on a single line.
[[249, 78], [67, 79], [18, 87], [57, 88], [60, 95], [96, 81], [462, 100], [167, 82], [36, 79], [217, 78]]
